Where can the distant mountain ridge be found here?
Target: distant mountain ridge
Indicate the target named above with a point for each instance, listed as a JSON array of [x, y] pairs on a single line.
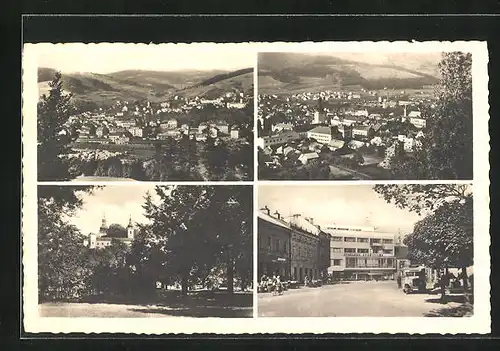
[[294, 72], [140, 85]]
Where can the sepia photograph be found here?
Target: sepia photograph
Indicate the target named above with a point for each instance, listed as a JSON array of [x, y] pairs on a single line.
[[365, 251], [144, 112], [364, 115], [248, 188], [145, 251]]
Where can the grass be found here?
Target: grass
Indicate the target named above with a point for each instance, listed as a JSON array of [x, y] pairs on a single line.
[[163, 304]]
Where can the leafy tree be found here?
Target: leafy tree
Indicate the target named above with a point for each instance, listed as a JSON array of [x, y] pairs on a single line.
[[135, 171], [421, 198], [444, 238], [61, 271], [446, 151], [109, 270], [194, 229], [54, 111], [116, 230]]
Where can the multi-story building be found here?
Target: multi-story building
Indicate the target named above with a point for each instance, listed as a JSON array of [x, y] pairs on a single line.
[[273, 245], [281, 138], [321, 134], [137, 131], [293, 247], [309, 247], [361, 253]]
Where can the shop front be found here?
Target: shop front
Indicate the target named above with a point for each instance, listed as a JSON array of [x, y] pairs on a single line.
[[271, 265]]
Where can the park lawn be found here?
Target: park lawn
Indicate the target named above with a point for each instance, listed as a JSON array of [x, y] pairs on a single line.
[[168, 304]]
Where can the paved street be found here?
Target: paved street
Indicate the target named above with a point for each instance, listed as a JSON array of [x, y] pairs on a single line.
[[354, 299]]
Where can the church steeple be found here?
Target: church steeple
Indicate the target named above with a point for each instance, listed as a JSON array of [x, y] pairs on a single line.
[[130, 229], [104, 227]]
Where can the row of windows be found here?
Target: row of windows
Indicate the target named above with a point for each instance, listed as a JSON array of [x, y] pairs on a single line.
[[365, 263], [359, 250], [303, 252], [349, 239], [274, 244]]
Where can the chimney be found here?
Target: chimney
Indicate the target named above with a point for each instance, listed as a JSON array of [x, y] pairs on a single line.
[[266, 210], [278, 215]]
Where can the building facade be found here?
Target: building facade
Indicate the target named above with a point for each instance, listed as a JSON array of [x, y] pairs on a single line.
[[281, 138], [361, 253], [321, 134], [273, 238], [309, 249], [292, 248]]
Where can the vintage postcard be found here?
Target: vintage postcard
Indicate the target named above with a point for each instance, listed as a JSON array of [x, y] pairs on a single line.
[[256, 188]]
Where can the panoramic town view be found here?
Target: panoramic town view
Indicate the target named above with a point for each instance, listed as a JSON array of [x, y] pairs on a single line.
[[358, 116], [145, 251], [365, 250], [160, 114]]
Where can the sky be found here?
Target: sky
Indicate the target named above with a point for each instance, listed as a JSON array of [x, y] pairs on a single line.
[[348, 205], [105, 58], [117, 203]]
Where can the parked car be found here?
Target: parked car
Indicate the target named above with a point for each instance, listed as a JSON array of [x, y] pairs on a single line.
[[414, 280], [293, 284]]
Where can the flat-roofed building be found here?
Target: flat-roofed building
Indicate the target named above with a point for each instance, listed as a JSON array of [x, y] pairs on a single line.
[[361, 253], [321, 134], [276, 139]]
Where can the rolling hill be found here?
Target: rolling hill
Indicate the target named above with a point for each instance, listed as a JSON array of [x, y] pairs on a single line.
[[132, 85], [296, 72]]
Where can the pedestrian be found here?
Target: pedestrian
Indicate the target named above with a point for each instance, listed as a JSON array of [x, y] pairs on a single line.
[[399, 281]]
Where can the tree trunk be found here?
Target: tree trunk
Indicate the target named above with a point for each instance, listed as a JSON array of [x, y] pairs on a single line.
[[465, 284], [443, 283], [184, 283], [230, 275]]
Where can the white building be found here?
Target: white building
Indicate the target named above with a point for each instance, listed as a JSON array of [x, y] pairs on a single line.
[[418, 122], [361, 253], [235, 133], [101, 239], [136, 131], [321, 134], [172, 123], [277, 139], [236, 105]]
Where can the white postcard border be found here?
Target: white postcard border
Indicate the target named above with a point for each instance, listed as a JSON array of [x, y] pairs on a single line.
[[478, 323]]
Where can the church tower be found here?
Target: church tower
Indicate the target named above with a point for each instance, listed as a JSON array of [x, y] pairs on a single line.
[[104, 227], [130, 229]]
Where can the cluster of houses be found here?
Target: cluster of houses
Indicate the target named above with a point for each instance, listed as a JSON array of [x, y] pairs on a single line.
[[318, 107], [124, 131], [353, 130]]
